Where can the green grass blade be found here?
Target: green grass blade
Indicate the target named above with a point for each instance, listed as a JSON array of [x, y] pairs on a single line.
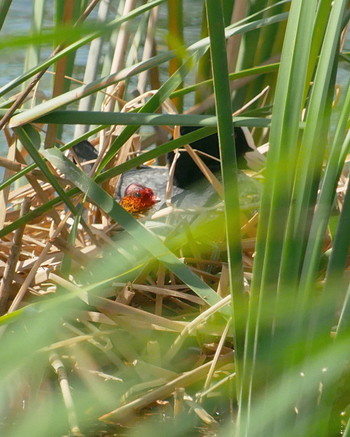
[[31, 167], [4, 8], [276, 199], [103, 30], [152, 105], [152, 154], [140, 118], [85, 90], [228, 157], [142, 235], [311, 151], [339, 150], [25, 135], [254, 71], [283, 146]]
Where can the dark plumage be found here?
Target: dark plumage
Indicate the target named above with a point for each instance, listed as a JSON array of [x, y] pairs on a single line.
[[186, 170], [190, 186], [85, 151]]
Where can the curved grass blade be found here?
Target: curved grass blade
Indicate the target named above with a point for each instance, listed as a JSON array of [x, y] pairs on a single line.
[[254, 71], [138, 231], [105, 29], [85, 90], [165, 148], [312, 151], [25, 136], [339, 150]]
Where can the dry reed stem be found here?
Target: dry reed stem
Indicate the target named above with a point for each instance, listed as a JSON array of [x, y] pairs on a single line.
[[125, 412], [62, 377], [22, 291], [199, 410], [193, 325], [22, 96], [10, 268], [34, 272], [41, 253], [217, 354], [4, 195], [112, 308]]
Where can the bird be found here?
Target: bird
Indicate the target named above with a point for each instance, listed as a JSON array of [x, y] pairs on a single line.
[[138, 199], [139, 188], [186, 170], [85, 152], [190, 185]]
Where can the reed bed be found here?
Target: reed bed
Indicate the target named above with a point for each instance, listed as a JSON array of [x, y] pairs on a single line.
[[229, 319]]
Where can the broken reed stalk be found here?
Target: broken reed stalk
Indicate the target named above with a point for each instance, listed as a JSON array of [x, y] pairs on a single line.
[[10, 268], [62, 377], [124, 412]]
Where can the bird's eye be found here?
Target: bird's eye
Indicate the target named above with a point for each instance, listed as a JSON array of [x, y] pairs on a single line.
[[137, 194]]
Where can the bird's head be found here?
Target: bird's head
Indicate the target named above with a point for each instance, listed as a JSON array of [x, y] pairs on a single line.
[[138, 199]]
